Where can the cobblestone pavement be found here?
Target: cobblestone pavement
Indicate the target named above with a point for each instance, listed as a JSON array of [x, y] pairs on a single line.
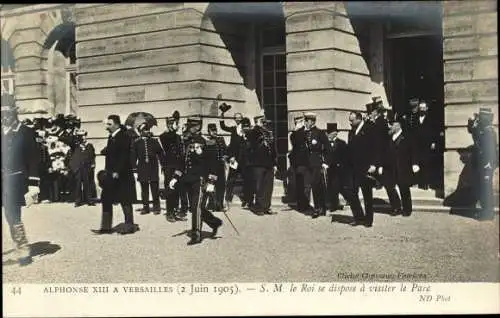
[[286, 247]]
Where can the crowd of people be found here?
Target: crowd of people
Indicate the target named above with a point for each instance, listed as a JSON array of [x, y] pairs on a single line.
[[67, 160], [51, 160]]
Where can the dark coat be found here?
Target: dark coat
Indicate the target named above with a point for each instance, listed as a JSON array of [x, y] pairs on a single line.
[[380, 139], [118, 159], [398, 161], [230, 129], [299, 156], [486, 148], [147, 154], [239, 148], [216, 150], [361, 148], [20, 164], [318, 147], [423, 134], [338, 161], [195, 166], [173, 148], [262, 152], [82, 159]]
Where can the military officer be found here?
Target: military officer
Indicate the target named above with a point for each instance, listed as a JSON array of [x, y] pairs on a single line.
[[173, 164], [299, 162], [318, 150], [82, 165], [199, 181], [263, 162], [217, 154], [147, 154], [20, 181]]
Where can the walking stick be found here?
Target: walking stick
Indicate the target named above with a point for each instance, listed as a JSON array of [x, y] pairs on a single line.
[[212, 195]]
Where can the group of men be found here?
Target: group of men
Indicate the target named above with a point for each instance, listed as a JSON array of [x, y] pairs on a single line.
[[383, 149], [67, 160]]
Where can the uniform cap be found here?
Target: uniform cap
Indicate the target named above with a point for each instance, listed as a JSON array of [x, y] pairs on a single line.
[[212, 126], [194, 121], [245, 122], [310, 115], [298, 117], [331, 127]]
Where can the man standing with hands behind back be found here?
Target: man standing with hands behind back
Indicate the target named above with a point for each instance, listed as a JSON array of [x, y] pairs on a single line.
[[120, 185]]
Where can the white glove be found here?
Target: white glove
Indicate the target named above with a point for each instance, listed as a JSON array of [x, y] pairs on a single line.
[[172, 183], [233, 164], [488, 166], [115, 175], [415, 168], [210, 187], [324, 166], [372, 169], [380, 170], [33, 189], [31, 197], [433, 146]]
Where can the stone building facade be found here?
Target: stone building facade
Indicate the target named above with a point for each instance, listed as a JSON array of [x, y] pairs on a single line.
[[283, 57]]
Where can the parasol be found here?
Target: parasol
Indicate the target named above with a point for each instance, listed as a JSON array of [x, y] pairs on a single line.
[[137, 118]]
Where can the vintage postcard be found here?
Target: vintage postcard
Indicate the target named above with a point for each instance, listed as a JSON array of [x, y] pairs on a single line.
[[250, 158]]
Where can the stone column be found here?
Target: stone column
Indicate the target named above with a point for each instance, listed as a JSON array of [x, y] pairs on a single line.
[[26, 40], [326, 71], [470, 74]]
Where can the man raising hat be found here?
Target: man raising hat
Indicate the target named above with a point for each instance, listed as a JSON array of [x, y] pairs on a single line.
[[20, 182]]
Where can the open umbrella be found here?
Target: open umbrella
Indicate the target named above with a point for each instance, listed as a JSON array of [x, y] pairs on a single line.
[[137, 118]]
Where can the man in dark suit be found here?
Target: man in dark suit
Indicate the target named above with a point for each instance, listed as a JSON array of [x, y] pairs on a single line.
[[82, 164], [216, 150], [361, 150], [235, 131], [337, 165], [318, 150], [199, 181], [20, 181], [425, 138], [121, 187], [263, 162], [173, 164], [298, 158], [238, 153], [147, 154], [398, 168]]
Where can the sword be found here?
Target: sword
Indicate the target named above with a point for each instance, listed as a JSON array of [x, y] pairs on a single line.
[[212, 195]]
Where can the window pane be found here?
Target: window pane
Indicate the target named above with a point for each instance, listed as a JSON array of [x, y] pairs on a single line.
[[268, 78], [281, 79], [281, 113], [268, 63], [280, 62], [269, 96], [269, 110], [281, 96]]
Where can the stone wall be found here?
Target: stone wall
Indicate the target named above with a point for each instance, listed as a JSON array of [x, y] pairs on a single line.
[[470, 73]]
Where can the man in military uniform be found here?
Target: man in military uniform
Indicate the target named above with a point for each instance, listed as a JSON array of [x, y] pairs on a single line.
[[173, 164], [486, 158], [363, 163], [318, 150], [216, 150], [337, 164], [121, 185], [199, 181], [263, 164], [147, 154], [299, 162], [20, 182], [82, 163]]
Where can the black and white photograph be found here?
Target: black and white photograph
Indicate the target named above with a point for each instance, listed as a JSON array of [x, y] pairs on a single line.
[[244, 149]]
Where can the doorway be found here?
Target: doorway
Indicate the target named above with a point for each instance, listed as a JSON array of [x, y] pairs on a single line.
[[416, 71]]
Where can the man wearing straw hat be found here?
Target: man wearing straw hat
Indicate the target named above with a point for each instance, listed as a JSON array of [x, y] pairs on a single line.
[[20, 181]]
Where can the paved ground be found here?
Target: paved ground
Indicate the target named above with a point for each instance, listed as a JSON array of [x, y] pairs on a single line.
[[288, 246]]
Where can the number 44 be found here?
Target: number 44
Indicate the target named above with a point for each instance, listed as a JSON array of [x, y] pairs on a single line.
[[16, 290]]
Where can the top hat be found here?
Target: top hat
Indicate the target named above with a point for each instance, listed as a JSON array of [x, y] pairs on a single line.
[[310, 115], [176, 116], [224, 107], [413, 101], [331, 127], [212, 127], [104, 179], [245, 122]]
